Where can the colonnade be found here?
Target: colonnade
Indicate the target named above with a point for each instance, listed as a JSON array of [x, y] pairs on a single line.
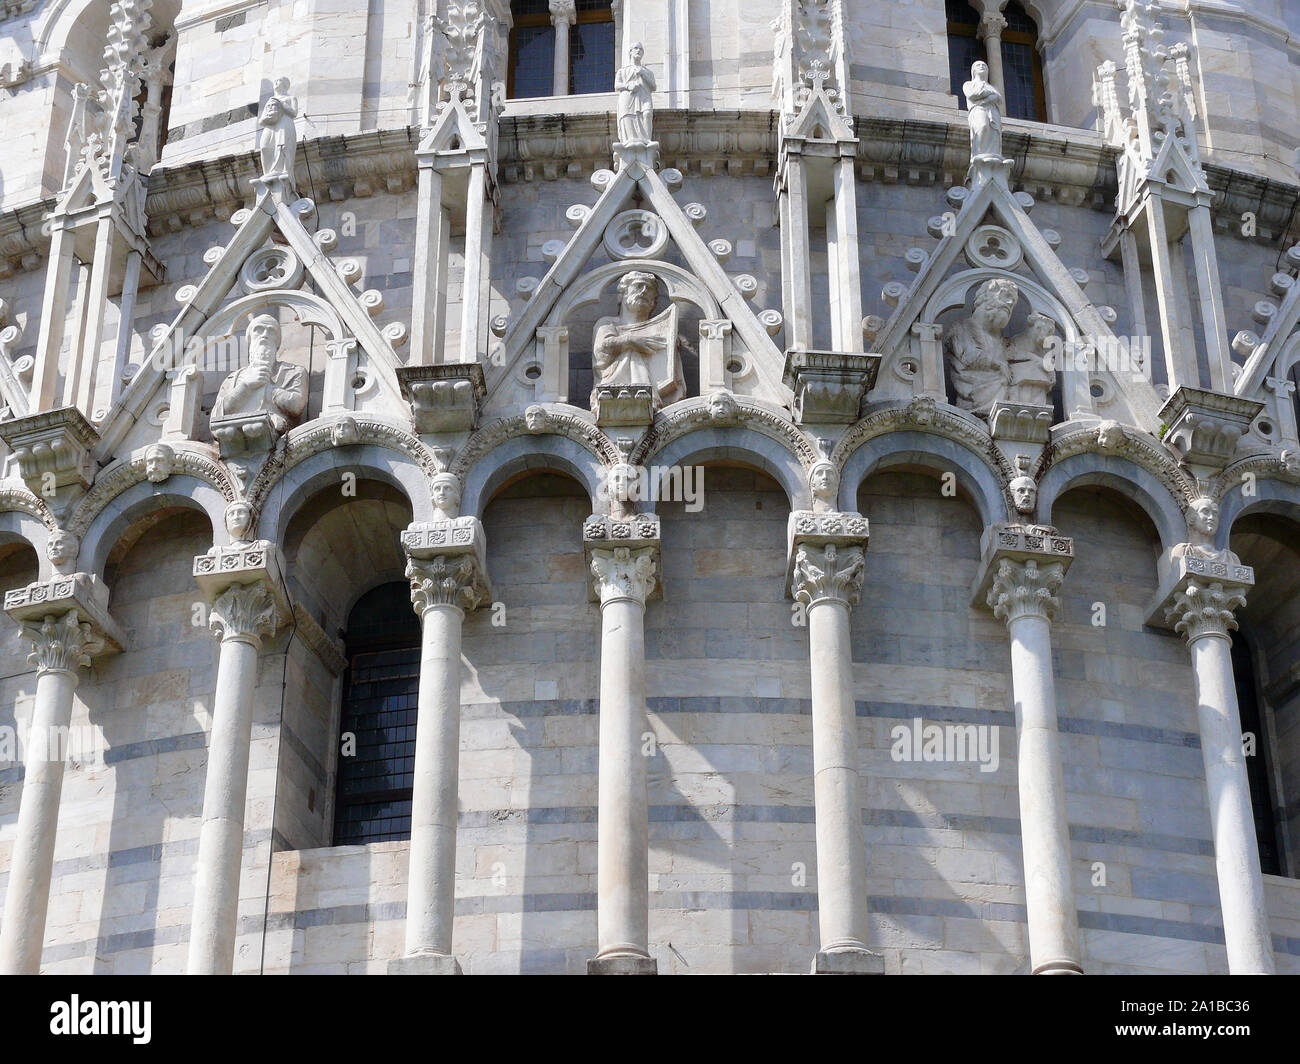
[[1021, 573]]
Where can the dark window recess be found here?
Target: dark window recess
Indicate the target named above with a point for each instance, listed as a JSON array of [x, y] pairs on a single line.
[[1257, 767], [379, 708], [531, 68]]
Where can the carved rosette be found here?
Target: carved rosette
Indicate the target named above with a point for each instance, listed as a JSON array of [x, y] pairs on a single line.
[[443, 580], [1205, 609], [830, 573], [624, 573], [1025, 589], [246, 612], [60, 644]]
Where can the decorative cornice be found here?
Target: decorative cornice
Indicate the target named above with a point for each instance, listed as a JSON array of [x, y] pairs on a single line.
[[1025, 589], [125, 473], [455, 581], [685, 417], [623, 573], [923, 414], [558, 423], [1205, 609]]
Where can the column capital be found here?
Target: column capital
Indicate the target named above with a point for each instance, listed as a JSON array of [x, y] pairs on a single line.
[[622, 557], [825, 556], [245, 590], [1007, 584], [1201, 593], [66, 619], [992, 23], [563, 11], [447, 563], [1025, 589]]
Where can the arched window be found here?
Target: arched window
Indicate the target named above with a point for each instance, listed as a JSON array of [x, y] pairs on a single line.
[[591, 49], [1022, 67], [375, 773], [1257, 766]]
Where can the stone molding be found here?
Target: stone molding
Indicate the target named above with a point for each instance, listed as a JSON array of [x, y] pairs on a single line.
[[698, 413], [558, 423], [1139, 447]]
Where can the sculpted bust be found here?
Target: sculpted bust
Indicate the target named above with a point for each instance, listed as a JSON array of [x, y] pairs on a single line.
[[158, 462], [264, 393], [637, 346], [1202, 524]]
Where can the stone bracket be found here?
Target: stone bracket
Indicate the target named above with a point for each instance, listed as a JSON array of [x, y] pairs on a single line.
[[447, 537], [446, 397], [1020, 422], [82, 592], [258, 562], [1204, 427], [1227, 571], [1020, 544], [806, 528], [57, 443], [829, 386], [623, 405], [601, 532]]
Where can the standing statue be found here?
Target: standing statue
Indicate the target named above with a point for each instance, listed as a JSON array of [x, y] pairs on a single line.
[[259, 402], [277, 140], [984, 112], [634, 84], [636, 348]]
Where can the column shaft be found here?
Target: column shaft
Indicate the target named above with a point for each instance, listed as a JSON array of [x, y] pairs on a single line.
[[841, 849], [431, 885], [1236, 850], [23, 935], [221, 838]]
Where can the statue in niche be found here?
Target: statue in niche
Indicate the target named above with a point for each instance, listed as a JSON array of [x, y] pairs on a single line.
[[984, 113], [260, 402], [277, 139], [638, 348], [985, 366], [635, 83]]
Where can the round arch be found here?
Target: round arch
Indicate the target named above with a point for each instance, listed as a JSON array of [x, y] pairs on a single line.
[[1122, 475], [737, 443], [284, 496], [909, 447], [1270, 496], [537, 453], [16, 526], [179, 491]]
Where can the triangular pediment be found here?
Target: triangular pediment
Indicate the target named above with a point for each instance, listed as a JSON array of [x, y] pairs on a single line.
[[819, 121], [453, 130], [572, 282]]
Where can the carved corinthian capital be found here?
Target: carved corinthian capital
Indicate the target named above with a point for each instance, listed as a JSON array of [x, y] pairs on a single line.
[[828, 573], [1025, 589], [623, 573], [60, 644], [1201, 609], [443, 580], [248, 612]]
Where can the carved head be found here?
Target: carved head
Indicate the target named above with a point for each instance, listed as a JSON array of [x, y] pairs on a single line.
[[1110, 435], [446, 494], [636, 53], [263, 338], [621, 486], [344, 432], [824, 482], [271, 111], [1024, 494], [1039, 327], [722, 406], [994, 303], [282, 86], [638, 291], [62, 547], [979, 70], [239, 521], [1291, 462], [158, 462], [1203, 517], [536, 419]]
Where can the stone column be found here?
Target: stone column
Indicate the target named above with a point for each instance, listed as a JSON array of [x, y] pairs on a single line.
[[824, 573], [1200, 607], [247, 604], [67, 624], [446, 570], [564, 13], [991, 26], [623, 575], [1021, 575]]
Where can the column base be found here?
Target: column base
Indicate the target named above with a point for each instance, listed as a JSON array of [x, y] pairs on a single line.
[[624, 965], [849, 962], [425, 964], [1057, 968]]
